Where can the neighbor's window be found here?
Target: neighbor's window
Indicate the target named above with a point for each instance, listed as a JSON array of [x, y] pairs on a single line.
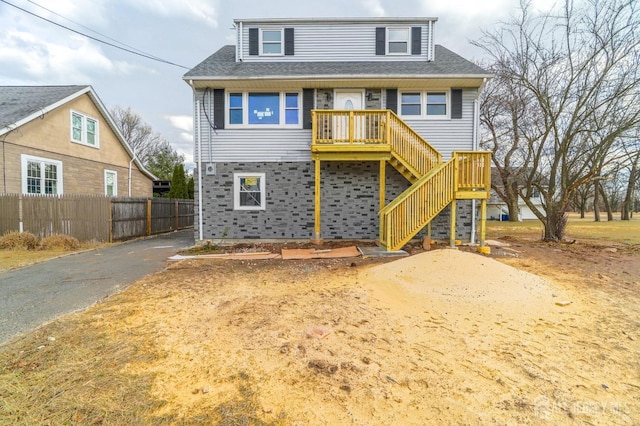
[[264, 108], [84, 129], [110, 183], [249, 191], [436, 103], [398, 41], [41, 175], [271, 43]]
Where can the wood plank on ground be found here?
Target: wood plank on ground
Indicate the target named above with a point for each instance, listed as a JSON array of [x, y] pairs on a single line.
[[320, 253]]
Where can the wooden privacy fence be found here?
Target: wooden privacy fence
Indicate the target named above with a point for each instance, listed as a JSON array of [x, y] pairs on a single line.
[[90, 217]]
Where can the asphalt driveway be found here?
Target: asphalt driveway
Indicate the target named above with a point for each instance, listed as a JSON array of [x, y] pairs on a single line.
[[34, 295]]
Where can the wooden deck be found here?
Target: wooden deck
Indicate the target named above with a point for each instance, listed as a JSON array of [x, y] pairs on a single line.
[[380, 135]]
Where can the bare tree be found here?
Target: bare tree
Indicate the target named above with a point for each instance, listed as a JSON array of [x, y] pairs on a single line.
[[138, 134], [154, 152], [632, 165], [579, 70]]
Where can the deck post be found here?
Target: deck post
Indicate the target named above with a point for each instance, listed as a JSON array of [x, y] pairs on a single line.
[[452, 234], [483, 227], [383, 182], [316, 228]]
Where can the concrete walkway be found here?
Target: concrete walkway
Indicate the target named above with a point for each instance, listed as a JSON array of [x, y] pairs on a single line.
[[34, 295]]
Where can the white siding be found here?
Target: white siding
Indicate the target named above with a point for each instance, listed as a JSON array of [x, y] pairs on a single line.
[[282, 145], [252, 145], [450, 134], [337, 42]]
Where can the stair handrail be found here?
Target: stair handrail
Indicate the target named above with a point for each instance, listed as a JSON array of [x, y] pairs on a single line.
[[410, 146], [425, 198]]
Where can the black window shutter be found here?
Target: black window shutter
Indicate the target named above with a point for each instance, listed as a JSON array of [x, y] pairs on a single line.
[[218, 108], [456, 103], [392, 100], [381, 33], [307, 106], [253, 41], [416, 40], [288, 41]]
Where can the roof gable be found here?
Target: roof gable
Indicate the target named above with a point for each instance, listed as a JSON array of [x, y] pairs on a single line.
[[18, 103], [22, 104]]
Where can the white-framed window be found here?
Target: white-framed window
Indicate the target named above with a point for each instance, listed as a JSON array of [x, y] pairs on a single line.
[[264, 109], [41, 175], [398, 41], [84, 129], [249, 191], [110, 183], [425, 104], [272, 42]]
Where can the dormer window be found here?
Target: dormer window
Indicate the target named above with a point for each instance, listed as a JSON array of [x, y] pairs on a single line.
[[271, 42], [398, 41]]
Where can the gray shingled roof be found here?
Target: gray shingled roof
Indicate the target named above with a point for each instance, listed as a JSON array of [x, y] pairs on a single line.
[[18, 102], [222, 64]]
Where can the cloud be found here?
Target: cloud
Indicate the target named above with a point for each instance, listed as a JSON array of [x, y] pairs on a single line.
[[201, 10], [374, 7], [25, 55], [181, 122]]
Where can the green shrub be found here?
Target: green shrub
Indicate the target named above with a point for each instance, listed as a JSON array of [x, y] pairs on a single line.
[[18, 240], [60, 241]]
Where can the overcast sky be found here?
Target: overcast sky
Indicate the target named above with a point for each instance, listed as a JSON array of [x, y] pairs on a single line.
[[34, 52]]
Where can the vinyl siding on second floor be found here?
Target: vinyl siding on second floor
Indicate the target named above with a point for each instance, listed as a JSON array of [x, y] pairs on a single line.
[[283, 145], [334, 42]]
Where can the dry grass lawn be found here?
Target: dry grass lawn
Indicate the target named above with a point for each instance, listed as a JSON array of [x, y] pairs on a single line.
[[536, 333]]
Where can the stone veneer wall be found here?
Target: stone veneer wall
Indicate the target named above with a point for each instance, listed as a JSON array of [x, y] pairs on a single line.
[[349, 202]]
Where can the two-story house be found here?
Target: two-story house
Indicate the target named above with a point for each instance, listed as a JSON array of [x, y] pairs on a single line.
[[355, 128], [62, 140]]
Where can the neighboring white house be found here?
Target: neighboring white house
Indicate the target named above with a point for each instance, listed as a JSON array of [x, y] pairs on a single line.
[[309, 117]]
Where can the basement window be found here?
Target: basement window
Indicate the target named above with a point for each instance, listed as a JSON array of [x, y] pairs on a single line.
[[249, 191]]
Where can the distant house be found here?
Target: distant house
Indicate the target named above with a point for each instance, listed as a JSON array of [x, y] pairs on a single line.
[[61, 140], [497, 209], [337, 128]]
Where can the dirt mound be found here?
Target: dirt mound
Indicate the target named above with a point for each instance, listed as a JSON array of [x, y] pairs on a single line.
[[453, 280]]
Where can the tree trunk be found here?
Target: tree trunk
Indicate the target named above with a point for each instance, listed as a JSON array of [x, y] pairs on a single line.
[[607, 204], [555, 223], [626, 211], [514, 210], [596, 201]]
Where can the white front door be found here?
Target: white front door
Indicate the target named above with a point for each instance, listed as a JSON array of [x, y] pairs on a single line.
[[347, 100]]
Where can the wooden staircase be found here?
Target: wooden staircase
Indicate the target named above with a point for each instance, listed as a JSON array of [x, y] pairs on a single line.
[[434, 184]]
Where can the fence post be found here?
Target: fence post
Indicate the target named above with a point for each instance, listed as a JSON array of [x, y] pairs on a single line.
[[148, 216], [20, 219], [110, 204], [176, 215]]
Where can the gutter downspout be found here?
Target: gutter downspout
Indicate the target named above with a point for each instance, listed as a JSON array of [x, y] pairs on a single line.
[[476, 123], [199, 148]]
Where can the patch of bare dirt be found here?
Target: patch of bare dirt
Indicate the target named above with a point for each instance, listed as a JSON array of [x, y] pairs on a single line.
[[536, 333], [440, 337]]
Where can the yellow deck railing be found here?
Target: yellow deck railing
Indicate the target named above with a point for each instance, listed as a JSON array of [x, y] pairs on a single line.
[[408, 146], [474, 170], [466, 175], [348, 127], [412, 210]]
